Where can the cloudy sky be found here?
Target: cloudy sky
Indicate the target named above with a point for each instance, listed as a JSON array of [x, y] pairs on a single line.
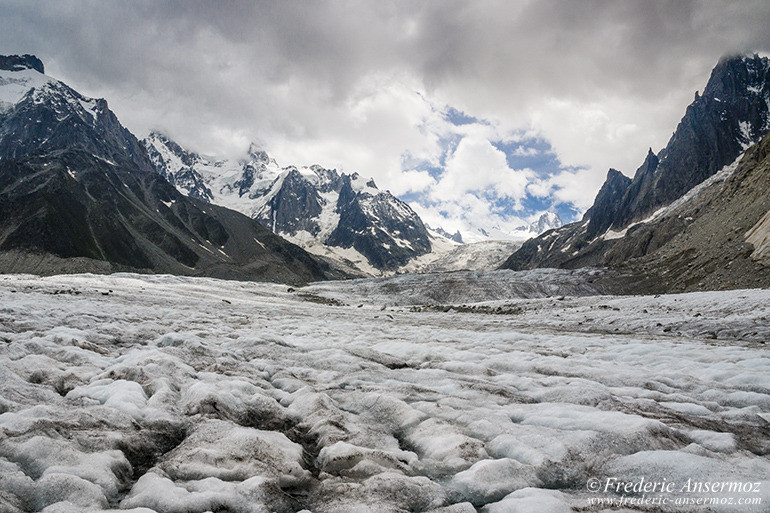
[[476, 112]]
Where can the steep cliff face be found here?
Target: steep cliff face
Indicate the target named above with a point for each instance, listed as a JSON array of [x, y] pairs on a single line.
[[717, 128], [607, 203]]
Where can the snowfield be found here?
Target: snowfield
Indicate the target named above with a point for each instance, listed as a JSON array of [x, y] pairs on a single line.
[[182, 395]]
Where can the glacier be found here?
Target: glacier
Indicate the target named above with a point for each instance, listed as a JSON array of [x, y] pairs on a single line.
[[456, 392]]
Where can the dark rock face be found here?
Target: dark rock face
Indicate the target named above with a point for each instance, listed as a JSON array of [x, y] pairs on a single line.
[[20, 62], [731, 113], [70, 203], [607, 203], [717, 127], [244, 183], [380, 227], [74, 183], [294, 207], [51, 208]]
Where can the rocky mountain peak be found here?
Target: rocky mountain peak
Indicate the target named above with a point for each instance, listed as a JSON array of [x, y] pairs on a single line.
[[41, 114], [614, 175], [457, 236], [258, 155], [320, 209], [605, 208], [328, 179], [649, 165], [733, 76], [21, 62], [547, 221], [732, 113], [187, 157]]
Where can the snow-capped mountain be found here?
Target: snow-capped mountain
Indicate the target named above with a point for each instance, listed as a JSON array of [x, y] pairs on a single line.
[[337, 215], [512, 230], [547, 221], [674, 193], [40, 113], [79, 193]]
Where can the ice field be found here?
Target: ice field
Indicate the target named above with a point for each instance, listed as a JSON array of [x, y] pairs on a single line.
[[182, 395]]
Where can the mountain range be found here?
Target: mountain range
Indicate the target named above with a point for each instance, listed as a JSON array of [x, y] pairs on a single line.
[[78, 192], [341, 217], [81, 193], [682, 221], [335, 215]]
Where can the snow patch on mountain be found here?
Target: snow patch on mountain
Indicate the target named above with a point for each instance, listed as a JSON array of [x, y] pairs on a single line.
[[15, 84]]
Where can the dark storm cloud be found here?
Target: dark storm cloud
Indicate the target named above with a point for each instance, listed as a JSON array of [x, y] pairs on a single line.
[[218, 73], [554, 46]]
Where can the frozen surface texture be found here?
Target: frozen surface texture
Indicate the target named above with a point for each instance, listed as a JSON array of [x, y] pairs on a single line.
[[182, 395]]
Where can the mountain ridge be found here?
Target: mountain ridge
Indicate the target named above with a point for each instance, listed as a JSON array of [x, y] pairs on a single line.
[[715, 239], [709, 136], [75, 183], [717, 128], [344, 217], [323, 210]]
